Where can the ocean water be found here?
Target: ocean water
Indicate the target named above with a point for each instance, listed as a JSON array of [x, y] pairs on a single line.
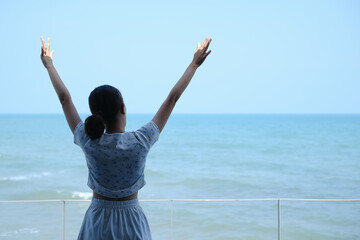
[[197, 156]]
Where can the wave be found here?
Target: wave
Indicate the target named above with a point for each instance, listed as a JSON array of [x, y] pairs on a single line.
[[82, 195], [25, 177], [19, 231]]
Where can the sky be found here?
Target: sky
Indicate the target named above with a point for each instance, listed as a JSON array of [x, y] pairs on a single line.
[[285, 57]]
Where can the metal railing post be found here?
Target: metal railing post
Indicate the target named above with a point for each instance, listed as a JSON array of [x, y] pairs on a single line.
[[172, 205], [63, 219], [279, 220]]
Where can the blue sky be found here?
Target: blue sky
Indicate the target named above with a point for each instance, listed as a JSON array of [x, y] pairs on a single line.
[[267, 56]]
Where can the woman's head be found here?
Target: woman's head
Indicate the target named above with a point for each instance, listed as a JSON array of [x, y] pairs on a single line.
[[105, 103]]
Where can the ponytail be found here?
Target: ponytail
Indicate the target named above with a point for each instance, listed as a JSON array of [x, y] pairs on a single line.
[[105, 103], [94, 126]]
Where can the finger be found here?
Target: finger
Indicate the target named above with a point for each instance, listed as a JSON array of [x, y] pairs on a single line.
[[197, 48], [42, 40], [207, 45], [203, 44], [48, 45], [51, 54], [42, 51], [207, 53]]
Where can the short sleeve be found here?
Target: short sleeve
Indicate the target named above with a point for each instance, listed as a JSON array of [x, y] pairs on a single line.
[[148, 134], [80, 137]]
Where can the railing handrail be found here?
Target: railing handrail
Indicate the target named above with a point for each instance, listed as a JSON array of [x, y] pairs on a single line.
[[198, 200], [279, 200]]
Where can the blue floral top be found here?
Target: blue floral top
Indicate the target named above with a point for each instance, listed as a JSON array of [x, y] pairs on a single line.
[[116, 161]]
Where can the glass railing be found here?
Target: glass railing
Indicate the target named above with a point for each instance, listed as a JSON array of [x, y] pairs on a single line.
[[277, 201]]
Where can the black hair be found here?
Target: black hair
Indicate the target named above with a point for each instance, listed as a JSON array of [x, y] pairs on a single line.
[[105, 102]]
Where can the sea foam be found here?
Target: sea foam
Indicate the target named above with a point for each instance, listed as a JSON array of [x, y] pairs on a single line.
[[25, 177], [83, 195], [19, 231]]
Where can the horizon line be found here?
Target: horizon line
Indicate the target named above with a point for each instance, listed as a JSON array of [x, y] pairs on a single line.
[[195, 114]]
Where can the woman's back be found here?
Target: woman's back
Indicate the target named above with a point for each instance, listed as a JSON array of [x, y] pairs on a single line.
[[116, 161]]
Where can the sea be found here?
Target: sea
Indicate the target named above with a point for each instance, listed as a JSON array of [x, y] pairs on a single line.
[[263, 157]]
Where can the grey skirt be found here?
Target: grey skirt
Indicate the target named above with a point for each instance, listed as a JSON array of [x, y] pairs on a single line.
[[120, 220]]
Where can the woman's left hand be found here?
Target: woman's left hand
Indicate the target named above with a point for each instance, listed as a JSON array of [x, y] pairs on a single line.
[[46, 56], [200, 53]]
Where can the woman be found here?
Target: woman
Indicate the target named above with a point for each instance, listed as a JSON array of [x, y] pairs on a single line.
[[115, 158]]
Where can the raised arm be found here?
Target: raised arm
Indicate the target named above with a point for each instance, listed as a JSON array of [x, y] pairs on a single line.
[[166, 108], [71, 114]]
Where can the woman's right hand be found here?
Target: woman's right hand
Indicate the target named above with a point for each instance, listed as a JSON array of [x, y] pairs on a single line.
[[46, 56], [200, 53]]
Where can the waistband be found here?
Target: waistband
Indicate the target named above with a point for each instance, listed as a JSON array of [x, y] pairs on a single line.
[[95, 202]]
